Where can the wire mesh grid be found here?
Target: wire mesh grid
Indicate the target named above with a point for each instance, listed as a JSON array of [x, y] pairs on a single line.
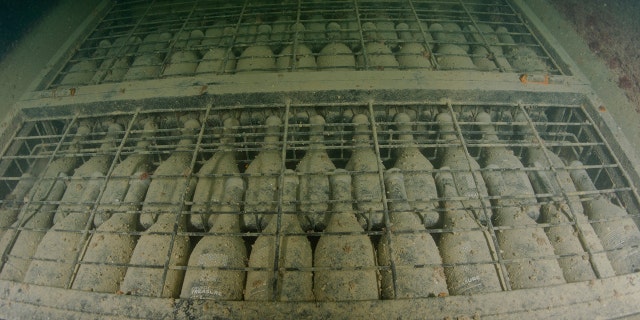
[[148, 40], [131, 196]]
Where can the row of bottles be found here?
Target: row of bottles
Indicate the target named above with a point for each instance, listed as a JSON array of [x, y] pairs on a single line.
[[326, 46], [20, 241], [580, 239]]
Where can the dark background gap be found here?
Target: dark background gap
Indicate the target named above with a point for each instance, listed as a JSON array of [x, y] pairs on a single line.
[[17, 17]]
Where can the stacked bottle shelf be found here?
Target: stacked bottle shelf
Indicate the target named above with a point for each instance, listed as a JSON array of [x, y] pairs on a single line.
[[161, 39], [352, 157], [316, 203]]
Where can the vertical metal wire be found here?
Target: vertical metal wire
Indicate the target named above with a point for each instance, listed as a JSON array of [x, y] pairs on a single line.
[[486, 43], [124, 44], [81, 247], [535, 37], [387, 221], [572, 215], [626, 176], [426, 44], [493, 242], [176, 37], [294, 50], [28, 204], [179, 213], [279, 234], [362, 44]]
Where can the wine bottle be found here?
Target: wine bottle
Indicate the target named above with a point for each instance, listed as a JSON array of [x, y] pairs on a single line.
[[14, 201], [527, 252], [451, 56], [116, 62], [464, 245], [219, 59], [483, 58], [216, 265], [279, 31], [451, 33], [412, 53], [344, 258], [335, 55], [116, 219], [419, 30], [615, 228], [154, 268], [572, 257], [364, 166], [385, 30], [148, 63], [452, 47], [314, 191], [418, 266], [80, 195], [80, 73], [54, 260], [520, 192], [304, 59], [247, 32], [417, 170], [184, 60], [258, 57], [213, 35], [316, 32], [284, 242], [465, 171], [480, 58], [19, 245], [551, 177], [376, 55], [262, 177], [521, 57], [212, 175], [165, 194]]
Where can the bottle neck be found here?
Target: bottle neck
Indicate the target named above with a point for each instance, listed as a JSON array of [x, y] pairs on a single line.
[[370, 33], [148, 134], [228, 220], [184, 145], [494, 151], [297, 31], [581, 178], [455, 214], [316, 132], [271, 142], [227, 37], [82, 132], [408, 147], [333, 32], [341, 192], [401, 214], [361, 140], [188, 132], [406, 140], [288, 217], [403, 32], [536, 154], [263, 35], [489, 133], [226, 145], [316, 143], [170, 219]]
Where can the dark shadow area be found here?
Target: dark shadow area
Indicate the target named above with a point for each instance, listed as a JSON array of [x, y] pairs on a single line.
[[17, 17]]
